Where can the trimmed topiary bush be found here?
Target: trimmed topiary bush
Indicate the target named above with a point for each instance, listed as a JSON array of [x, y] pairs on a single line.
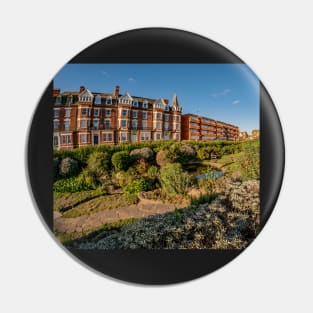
[[68, 167], [162, 158], [174, 179], [143, 153], [121, 160]]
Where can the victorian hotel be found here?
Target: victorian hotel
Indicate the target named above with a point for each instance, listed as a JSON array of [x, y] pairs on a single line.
[[83, 118]]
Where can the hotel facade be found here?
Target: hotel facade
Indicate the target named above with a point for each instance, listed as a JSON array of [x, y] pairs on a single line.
[[83, 118], [200, 128]]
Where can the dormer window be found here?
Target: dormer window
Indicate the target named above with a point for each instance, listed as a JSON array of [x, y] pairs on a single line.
[[58, 100], [108, 101], [135, 103], [145, 105], [98, 99], [69, 100], [167, 108]]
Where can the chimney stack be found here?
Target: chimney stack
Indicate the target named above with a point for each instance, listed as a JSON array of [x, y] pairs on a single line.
[[116, 91], [56, 92], [81, 89]]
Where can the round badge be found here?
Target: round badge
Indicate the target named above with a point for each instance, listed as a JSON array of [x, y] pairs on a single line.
[[155, 156]]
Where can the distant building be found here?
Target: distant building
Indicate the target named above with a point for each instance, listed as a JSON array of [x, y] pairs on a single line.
[[83, 118], [255, 134], [243, 136], [200, 128]]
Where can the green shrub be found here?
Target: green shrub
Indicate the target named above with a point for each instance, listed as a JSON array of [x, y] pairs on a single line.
[[250, 160], [98, 164], [181, 153], [136, 186], [73, 184], [153, 172], [121, 160], [68, 167], [174, 179], [124, 178], [142, 166]]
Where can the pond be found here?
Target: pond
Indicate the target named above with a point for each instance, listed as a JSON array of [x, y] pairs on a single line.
[[209, 175]]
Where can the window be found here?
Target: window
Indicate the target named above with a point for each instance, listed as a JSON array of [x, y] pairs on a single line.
[[135, 103], [69, 100], [107, 124], [55, 141], [96, 124], [84, 111], [158, 116], [83, 138], [67, 112], [144, 124], [144, 115], [124, 137], [66, 139], [66, 125], [135, 114], [177, 126], [58, 100], [145, 136], [123, 123], [166, 125], [107, 137], [108, 112], [145, 105], [56, 124], [166, 117], [134, 124], [158, 136], [98, 99], [167, 108], [56, 113], [158, 125], [108, 101], [83, 124], [96, 112], [124, 113]]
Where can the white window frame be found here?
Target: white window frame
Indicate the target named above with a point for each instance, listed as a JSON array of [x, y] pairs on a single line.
[[144, 115], [83, 121], [81, 136], [134, 124], [105, 124], [108, 101], [98, 99], [56, 115], [135, 114], [145, 104], [96, 110]]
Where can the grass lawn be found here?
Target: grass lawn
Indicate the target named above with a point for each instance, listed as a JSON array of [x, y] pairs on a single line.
[[101, 203], [65, 199]]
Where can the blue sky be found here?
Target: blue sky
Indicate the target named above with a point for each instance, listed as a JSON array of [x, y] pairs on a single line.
[[226, 92]]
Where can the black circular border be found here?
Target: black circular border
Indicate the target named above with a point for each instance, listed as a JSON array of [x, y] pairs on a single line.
[[162, 45]]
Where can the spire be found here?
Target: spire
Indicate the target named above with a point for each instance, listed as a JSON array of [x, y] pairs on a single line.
[[175, 105]]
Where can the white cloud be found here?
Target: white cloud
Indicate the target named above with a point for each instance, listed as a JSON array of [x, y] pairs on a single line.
[[235, 102], [131, 80]]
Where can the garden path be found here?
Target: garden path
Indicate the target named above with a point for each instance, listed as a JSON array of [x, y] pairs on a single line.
[[143, 208]]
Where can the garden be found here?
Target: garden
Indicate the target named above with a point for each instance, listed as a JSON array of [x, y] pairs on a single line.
[[171, 195]]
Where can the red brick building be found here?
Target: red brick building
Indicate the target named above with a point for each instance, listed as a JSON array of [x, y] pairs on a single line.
[[83, 118], [200, 128]]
